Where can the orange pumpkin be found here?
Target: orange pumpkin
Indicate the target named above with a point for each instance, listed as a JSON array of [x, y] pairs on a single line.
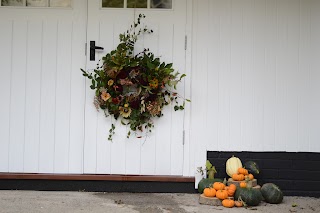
[[241, 176], [222, 194], [243, 185], [238, 177], [209, 192], [235, 176], [228, 203], [243, 171], [230, 192], [218, 186], [231, 189], [251, 177], [238, 203]]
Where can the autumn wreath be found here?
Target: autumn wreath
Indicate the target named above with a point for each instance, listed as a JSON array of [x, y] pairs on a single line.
[[134, 87]]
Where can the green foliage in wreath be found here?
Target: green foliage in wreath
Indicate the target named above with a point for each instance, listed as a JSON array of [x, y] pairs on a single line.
[[134, 88]]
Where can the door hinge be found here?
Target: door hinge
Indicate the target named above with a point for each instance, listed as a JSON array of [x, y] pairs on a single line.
[[85, 49], [183, 136], [185, 42]]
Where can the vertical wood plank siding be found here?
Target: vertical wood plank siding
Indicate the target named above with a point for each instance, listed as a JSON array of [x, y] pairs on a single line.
[[255, 75], [5, 92], [42, 90], [254, 83], [48, 122], [162, 151]]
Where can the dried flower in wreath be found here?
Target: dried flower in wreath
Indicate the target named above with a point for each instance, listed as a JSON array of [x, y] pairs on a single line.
[[134, 88]]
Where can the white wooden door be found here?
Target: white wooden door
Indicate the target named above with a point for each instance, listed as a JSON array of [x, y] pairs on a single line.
[[162, 152], [41, 87]]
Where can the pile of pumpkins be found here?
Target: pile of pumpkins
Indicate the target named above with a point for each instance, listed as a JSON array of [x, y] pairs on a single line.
[[224, 193], [245, 195], [237, 172]]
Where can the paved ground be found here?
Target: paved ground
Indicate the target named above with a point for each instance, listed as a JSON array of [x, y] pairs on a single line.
[[60, 202]]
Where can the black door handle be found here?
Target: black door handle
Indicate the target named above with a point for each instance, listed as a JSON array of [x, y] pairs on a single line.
[[93, 49]]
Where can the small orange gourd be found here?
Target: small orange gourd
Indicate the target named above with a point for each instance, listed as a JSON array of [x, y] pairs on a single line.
[[243, 171], [222, 194], [228, 203], [231, 189], [218, 186], [241, 177], [209, 192], [238, 177], [243, 185], [234, 176], [238, 203], [251, 177]]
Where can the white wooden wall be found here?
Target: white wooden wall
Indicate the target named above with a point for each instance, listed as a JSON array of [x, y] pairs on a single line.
[[41, 89], [48, 123], [255, 76], [162, 152]]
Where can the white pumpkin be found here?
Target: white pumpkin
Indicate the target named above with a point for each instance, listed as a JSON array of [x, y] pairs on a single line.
[[232, 165]]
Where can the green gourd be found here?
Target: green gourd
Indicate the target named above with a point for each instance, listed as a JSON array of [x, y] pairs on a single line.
[[272, 193], [252, 167], [252, 197]]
